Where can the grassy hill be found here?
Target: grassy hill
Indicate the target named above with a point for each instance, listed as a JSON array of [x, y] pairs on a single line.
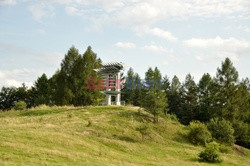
[[97, 136]]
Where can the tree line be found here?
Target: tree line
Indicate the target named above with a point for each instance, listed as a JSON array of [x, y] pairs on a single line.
[[66, 87], [223, 96]]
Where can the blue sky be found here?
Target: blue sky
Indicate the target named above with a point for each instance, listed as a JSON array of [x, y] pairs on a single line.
[[179, 37]]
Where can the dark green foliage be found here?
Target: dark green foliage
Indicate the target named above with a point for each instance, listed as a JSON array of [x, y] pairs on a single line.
[[175, 98], [128, 87], [20, 105], [205, 98], [198, 133], [211, 153], [10, 95], [189, 106], [222, 130], [133, 91], [166, 89], [69, 85], [41, 91], [7, 98], [242, 133], [226, 101], [155, 100]]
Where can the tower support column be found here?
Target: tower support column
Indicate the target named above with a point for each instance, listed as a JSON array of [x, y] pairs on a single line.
[[108, 99]]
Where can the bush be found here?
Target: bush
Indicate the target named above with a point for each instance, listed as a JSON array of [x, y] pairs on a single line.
[[242, 133], [225, 148], [222, 130], [172, 117], [211, 153], [198, 133], [20, 105]]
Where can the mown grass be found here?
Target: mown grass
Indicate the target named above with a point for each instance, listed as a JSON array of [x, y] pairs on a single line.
[[96, 136]]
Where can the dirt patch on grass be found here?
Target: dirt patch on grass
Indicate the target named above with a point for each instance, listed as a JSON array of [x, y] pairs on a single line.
[[239, 150]]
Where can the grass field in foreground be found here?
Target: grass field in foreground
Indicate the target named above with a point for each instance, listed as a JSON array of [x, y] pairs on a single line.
[[97, 136]]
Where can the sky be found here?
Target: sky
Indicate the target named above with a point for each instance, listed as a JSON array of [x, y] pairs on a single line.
[[177, 36]]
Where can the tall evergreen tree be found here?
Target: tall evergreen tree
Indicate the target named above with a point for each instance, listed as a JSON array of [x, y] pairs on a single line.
[[189, 107], [175, 98], [64, 80], [155, 103], [138, 92], [129, 86], [89, 62], [41, 91], [149, 78], [70, 83], [226, 102], [205, 98], [166, 89]]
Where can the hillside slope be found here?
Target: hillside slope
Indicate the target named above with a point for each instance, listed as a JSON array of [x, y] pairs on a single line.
[[96, 136]]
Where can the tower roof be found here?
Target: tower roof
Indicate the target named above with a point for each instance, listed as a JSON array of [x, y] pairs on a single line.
[[110, 67]]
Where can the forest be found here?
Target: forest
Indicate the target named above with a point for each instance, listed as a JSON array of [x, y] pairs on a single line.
[[221, 102]]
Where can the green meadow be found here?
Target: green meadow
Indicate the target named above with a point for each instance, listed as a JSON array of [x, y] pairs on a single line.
[[98, 136]]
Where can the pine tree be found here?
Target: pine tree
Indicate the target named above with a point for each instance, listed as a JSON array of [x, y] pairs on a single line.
[[139, 91], [129, 86], [41, 90], [166, 89], [205, 98], [155, 100], [149, 78], [226, 102], [85, 69], [69, 85], [155, 103], [63, 79], [175, 98], [189, 107]]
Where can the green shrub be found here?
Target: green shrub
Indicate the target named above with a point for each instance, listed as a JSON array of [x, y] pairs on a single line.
[[225, 148], [172, 117], [242, 133], [20, 105], [198, 133], [211, 153], [222, 130]]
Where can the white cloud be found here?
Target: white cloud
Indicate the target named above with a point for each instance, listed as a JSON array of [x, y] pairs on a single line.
[[40, 10], [107, 5], [137, 14], [155, 48], [8, 2], [37, 11], [41, 32], [73, 11], [146, 12], [156, 32], [16, 83], [16, 77], [230, 43], [2, 75], [125, 45], [219, 48], [244, 28]]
